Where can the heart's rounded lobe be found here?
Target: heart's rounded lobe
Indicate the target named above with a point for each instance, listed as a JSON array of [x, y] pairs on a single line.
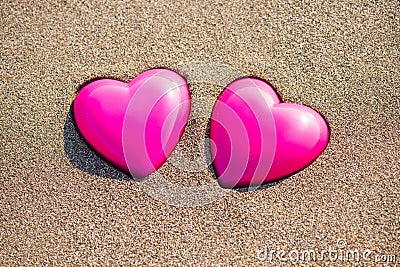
[[302, 134]]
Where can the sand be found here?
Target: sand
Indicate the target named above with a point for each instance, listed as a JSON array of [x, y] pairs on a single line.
[[61, 204]]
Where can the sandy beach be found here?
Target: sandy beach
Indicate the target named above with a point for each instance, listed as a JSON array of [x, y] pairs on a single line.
[[63, 205]]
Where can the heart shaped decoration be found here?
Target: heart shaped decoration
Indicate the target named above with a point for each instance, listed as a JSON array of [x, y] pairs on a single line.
[[256, 139], [135, 125]]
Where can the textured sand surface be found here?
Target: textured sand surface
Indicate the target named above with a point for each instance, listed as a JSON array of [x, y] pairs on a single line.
[[60, 204]]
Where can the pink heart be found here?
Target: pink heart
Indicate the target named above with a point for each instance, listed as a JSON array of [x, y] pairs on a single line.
[[134, 125], [256, 139]]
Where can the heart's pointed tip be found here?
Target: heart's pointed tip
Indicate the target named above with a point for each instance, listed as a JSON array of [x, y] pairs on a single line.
[[226, 183], [239, 184], [140, 173], [139, 177]]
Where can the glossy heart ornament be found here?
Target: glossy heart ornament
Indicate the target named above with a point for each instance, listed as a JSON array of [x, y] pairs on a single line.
[[256, 139], [135, 125]]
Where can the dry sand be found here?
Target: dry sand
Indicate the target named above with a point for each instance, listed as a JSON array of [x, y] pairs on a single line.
[[60, 204]]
